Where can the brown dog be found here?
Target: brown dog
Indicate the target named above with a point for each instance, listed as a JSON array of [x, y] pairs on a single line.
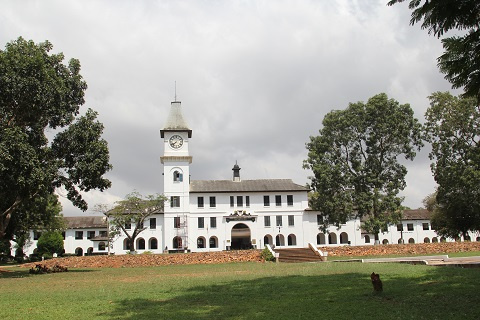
[[377, 283]]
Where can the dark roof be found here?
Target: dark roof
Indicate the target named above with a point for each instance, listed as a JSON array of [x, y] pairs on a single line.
[[262, 185], [416, 214], [175, 121], [86, 222]]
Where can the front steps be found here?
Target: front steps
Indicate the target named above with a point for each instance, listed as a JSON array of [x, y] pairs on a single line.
[[297, 255]]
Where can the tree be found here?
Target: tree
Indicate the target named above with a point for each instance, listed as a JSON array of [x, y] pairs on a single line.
[[38, 214], [50, 242], [461, 60], [453, 129], [38, 93], [355, 166], [128, 215], [442, 223]]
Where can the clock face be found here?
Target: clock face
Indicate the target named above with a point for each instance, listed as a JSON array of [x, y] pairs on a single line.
[[176, 141]]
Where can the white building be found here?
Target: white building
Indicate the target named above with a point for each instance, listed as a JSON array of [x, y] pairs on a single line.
[[216, 215]]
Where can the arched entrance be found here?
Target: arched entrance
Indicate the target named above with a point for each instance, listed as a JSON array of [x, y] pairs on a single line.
[[241, 237]]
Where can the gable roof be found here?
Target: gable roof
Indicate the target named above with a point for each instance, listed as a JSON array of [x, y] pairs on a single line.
[[416, 214], [85, 222], [261, 185]]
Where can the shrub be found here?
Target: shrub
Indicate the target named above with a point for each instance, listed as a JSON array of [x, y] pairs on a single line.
[[267, 255], [50, 242]]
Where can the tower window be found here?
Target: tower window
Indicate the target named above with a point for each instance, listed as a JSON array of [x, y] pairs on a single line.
[[177, 176], [175, 201], [176, 222]]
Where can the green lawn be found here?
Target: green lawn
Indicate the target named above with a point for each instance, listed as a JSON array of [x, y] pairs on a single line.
[[244, 291]]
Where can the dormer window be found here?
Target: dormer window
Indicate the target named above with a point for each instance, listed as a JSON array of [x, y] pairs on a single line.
[[177, 176]]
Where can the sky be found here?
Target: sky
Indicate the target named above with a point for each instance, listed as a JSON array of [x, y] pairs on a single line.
[[255, 78]]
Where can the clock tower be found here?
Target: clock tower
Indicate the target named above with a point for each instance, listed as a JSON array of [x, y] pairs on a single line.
[[176, 162]]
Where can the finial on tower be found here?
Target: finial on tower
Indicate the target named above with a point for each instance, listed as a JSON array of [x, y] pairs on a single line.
[[236, 172], [175, 90]]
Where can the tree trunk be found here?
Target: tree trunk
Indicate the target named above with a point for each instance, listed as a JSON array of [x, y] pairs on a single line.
[[131, 246]]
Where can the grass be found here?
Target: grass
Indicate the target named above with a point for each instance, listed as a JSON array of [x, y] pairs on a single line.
[[243, 291]]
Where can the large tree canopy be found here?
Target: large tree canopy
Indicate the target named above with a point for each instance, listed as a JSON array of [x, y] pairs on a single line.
[[453, 129], [38, 93], [355, 162], [461, 60], [127, 217]]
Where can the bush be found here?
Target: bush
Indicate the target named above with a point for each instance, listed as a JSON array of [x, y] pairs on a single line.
[[267, 255], [50, 242]]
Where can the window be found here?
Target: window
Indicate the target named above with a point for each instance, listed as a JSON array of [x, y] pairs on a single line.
[[103, 234], [290, 200], [266, 201], [101, 246], [63, 235], [175, 202], [319, 220], [128, 226], [90, 234], [201, 223], [213, 202], [153, 223], [232, 201], [266, 221], [176, 222], [140, 225], [279, 221], [399, 227], [247, 201], [36, 235], [278, 201], [426, 226], [239, 201], [367, 239], [200, 202], [410, 226], [78, 235], [291, 220], [213, 222], [177, 176]]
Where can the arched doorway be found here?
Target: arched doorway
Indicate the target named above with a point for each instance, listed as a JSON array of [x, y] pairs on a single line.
[[79, 252], [343, 238], [241, 237]]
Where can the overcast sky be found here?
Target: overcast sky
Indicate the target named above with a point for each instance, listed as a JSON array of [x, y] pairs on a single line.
[[255, 78]]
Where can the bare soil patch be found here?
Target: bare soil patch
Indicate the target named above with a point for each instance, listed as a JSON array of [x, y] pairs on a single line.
[[402, 249], [146, 260]]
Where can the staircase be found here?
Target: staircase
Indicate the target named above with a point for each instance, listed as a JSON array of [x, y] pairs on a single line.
[[297, 255]]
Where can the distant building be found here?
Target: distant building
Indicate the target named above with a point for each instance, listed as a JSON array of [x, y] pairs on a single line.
[[216, 215]]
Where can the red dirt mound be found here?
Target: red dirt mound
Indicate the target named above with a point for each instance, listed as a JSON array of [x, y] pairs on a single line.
[[145, 260]]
